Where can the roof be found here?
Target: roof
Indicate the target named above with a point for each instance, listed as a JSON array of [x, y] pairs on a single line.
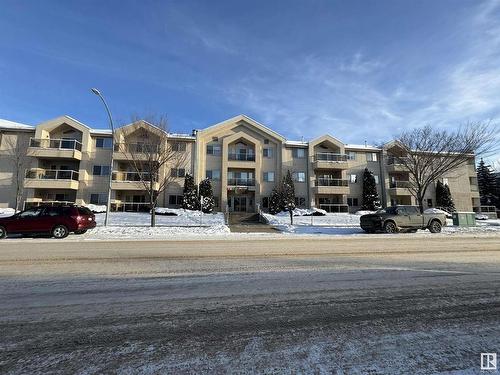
[[6, 124], [249, 120], [297, 143], [362, 147]]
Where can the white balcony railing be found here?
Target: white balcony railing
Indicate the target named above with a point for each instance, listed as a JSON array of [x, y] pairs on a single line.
[[399, 184], [57, 144], [320, 181], [329, 156], [131, 176], [241, 182], [51, 174]]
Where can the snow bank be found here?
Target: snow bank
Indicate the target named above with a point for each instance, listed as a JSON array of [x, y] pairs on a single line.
[[95, 208], [364, 212], [329, 219], [482, 217], [134, 232], [182, 218], [304, 212], [7, 211]]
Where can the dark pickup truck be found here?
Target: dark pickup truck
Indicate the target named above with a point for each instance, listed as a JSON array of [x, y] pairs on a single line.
[[402, 218]]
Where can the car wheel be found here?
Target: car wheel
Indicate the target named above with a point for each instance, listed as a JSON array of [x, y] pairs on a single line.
[[390, 227], [80, 231], [3, 232], [60, 231], [435, 226]]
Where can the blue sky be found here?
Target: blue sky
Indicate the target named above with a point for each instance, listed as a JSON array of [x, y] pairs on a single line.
[[359, 70]]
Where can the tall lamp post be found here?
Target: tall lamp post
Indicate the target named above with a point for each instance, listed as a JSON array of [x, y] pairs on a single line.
[[108, 207]]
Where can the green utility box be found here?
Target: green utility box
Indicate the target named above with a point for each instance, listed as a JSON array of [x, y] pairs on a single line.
[[464, 219]]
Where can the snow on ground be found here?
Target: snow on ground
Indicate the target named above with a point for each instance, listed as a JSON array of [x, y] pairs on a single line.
[[340, 224], [185, 218], [330, 219], [136, 225]]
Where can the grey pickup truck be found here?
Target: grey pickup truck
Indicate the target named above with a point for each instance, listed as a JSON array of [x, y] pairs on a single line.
[[402, 218]]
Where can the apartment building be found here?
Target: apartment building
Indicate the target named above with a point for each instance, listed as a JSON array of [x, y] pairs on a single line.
[[65, 160]]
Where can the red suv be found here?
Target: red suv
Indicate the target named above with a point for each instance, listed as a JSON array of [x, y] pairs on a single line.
[[58, 221]]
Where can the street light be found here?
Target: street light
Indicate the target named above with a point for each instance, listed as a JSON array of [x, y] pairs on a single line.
[[108, 208]]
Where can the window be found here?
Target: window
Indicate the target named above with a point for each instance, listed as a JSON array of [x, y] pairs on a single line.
[[267, 152], [298, 153], [371, 156], [299, 176], [429, 202], [213, 174], [352, 202], [213, 150], [376, 178], [99, 198], [179, 146], [445, 181], [269, 176], [266, 141], [353, 178], [177, 172], [103, 142], [351, 155], [265, 202], [100, 170], [32, 212], [300, 201], [410, 210], [175, 200]]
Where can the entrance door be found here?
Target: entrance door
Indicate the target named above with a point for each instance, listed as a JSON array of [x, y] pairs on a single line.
[[239, 204]]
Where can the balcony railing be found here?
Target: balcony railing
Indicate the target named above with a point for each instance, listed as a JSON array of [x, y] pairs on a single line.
[[58, 144], [334, 207], [329, 156], [330, 182], [51, 174], [136, 148], [131, 176], [241, 182], [399, 184], [394, 160], [241, 157]]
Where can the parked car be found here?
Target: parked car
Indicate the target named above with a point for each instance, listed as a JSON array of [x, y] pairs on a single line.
[[57, 221], [402, 218]]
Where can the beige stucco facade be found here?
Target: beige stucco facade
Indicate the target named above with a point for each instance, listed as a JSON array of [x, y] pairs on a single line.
[[65, 160]]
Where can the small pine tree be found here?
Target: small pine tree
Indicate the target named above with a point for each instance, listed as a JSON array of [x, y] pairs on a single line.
[[275, 202], [487, 185], [371, 200], [443, 196], [190, 199], [288, 194], [206, 191]]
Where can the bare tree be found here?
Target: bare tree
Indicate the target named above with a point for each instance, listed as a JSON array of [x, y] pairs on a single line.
[[428, 153], [153, 159], [16, 155]]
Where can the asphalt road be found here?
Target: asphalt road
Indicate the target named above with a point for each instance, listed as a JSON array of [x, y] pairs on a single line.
[[366, 305]]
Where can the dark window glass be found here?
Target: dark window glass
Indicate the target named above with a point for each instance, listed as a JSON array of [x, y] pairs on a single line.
[[96, 170], [84, 211]]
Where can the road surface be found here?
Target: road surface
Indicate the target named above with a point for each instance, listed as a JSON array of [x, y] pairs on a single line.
[[391, 305]]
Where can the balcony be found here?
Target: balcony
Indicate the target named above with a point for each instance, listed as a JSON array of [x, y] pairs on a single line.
[[399, 187], [55, 148], [329, 160], [241, 182], [131, 181], [330, 186], [334, 207], [135, 151], [395, 164], [233, 156], [38, 178]]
